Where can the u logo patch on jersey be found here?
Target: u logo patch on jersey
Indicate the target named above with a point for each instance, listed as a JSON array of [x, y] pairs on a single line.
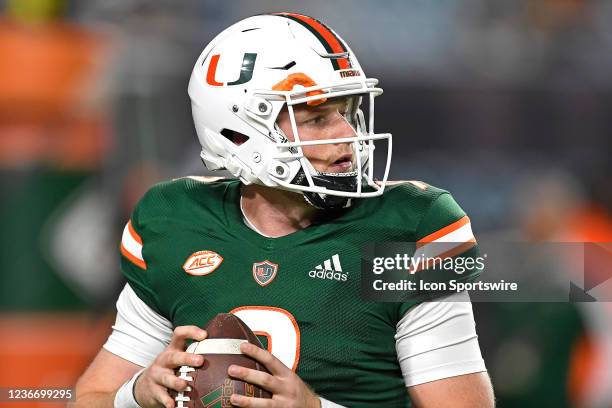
[[202, 263], [264, 272]]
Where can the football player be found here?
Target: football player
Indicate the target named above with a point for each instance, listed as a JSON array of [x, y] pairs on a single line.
[[278, 100]]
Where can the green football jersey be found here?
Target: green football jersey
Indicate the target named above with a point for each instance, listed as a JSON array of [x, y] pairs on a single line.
[[189, 255]]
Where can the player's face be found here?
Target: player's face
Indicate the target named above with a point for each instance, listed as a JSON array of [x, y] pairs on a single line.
[[323, 122]]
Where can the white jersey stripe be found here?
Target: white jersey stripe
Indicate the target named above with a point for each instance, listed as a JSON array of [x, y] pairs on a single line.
[[461, 234], [132, 246]]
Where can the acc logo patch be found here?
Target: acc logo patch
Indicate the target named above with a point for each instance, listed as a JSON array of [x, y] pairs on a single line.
[[202, 263], [264, 272]]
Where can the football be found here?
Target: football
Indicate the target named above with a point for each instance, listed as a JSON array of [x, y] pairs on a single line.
[[210, 386]]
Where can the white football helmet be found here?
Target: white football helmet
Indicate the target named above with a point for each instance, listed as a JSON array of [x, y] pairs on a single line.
[[244, 78]]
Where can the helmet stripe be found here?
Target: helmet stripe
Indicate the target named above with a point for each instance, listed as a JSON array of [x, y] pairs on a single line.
[[330, 41]]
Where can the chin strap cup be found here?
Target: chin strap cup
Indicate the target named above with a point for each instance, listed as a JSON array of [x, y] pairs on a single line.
[[333, 181]]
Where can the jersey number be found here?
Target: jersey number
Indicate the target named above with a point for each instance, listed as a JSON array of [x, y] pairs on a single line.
[[278, 326]]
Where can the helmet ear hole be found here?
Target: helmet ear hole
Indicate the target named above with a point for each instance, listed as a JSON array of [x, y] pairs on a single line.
[[236, 138]]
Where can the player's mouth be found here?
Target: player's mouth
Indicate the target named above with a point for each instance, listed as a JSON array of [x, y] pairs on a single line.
[[342, 165]]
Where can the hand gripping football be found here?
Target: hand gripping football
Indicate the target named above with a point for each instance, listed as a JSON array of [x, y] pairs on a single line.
[[210, 386]]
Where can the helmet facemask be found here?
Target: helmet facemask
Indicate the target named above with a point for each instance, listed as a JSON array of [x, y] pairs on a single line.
[[290, 168]]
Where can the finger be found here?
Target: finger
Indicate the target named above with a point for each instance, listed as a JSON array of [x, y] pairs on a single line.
[[162, 396], [251, 402], [272, 363], [255, 377], [182, 333], [169, 380], [173, 359]]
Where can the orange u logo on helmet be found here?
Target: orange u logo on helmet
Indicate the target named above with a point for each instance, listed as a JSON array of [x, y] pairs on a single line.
[[246, 70]]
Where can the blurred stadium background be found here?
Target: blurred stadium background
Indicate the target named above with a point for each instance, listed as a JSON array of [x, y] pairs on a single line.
[[505, 103]]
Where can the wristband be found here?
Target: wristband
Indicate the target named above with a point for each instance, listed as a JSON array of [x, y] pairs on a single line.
[[328, 404], [124, 398]]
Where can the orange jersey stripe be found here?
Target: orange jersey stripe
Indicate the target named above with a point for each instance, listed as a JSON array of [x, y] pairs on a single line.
[[444, 231], [133, 233], [141, 264]]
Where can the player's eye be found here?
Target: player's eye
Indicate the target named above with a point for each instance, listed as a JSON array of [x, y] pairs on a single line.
[[316, 120]]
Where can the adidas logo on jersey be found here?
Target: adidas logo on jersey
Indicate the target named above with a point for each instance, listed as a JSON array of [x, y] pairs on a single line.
[[330, 269]]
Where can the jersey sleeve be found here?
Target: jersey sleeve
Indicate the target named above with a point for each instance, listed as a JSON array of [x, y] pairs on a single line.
[[437, 340], [139, 333], [134, 265], [445, 233]]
